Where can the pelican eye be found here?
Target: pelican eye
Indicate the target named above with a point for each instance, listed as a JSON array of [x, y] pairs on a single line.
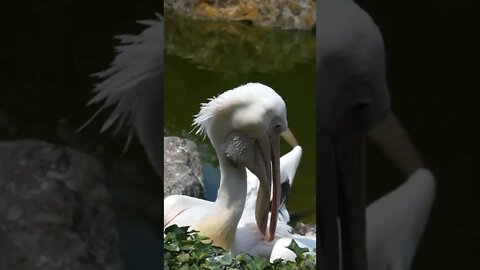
[[361, 105], [278, 127]]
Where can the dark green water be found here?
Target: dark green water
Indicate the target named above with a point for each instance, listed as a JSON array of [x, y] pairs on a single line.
[[204, 59]]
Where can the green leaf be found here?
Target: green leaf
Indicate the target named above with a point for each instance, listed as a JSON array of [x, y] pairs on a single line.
[[297, 249], [187, 250], [183, 257], [225, 259], [171, 247]]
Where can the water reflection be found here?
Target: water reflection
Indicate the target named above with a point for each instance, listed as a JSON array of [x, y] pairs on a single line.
[[205, 58], [235, 47]]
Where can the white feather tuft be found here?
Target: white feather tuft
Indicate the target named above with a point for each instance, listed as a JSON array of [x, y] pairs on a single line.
[[232, 99]]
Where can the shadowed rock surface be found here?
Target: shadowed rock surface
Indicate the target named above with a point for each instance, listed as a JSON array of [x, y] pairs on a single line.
[[305, 229], [182, 168], [54, 211], [285, 14]]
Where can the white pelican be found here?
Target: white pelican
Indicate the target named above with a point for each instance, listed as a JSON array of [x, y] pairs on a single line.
[[243, 125], [353, 98]]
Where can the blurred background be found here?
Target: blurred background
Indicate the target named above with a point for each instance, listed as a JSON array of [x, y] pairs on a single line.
[[48, 52], [432, 62]]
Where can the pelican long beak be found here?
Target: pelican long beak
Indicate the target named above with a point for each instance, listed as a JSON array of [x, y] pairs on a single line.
[[394, 141], [341, 174], [263, 159], [288, 136], [267, 169], [341, 197]]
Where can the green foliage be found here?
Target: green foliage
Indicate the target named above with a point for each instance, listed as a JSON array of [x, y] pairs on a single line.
[[187, 250]]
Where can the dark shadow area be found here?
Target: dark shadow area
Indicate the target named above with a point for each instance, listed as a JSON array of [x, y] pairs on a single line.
[[432, 58], [48, 52]]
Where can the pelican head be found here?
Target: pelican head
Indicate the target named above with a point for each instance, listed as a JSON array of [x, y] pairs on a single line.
[[244, 125], [352, 99]]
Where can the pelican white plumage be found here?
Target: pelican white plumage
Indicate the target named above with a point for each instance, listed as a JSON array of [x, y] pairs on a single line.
[[251, 239], [243, 125], [396, 221], [133, 84], [248, 237]]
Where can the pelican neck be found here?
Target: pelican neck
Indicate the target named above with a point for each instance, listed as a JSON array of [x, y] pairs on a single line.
[[232, 191]]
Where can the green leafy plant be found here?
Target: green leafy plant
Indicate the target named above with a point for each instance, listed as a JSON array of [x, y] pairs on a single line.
[[187, 250]]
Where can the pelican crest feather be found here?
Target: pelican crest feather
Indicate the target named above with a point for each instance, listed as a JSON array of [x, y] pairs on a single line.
[[250, 94]]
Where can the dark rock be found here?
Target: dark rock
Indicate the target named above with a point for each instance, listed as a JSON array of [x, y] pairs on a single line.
[[182, 168], [54, 211], [305, 229]]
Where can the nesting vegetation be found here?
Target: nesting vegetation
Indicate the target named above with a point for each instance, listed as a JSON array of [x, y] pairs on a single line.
[[187, 250]]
